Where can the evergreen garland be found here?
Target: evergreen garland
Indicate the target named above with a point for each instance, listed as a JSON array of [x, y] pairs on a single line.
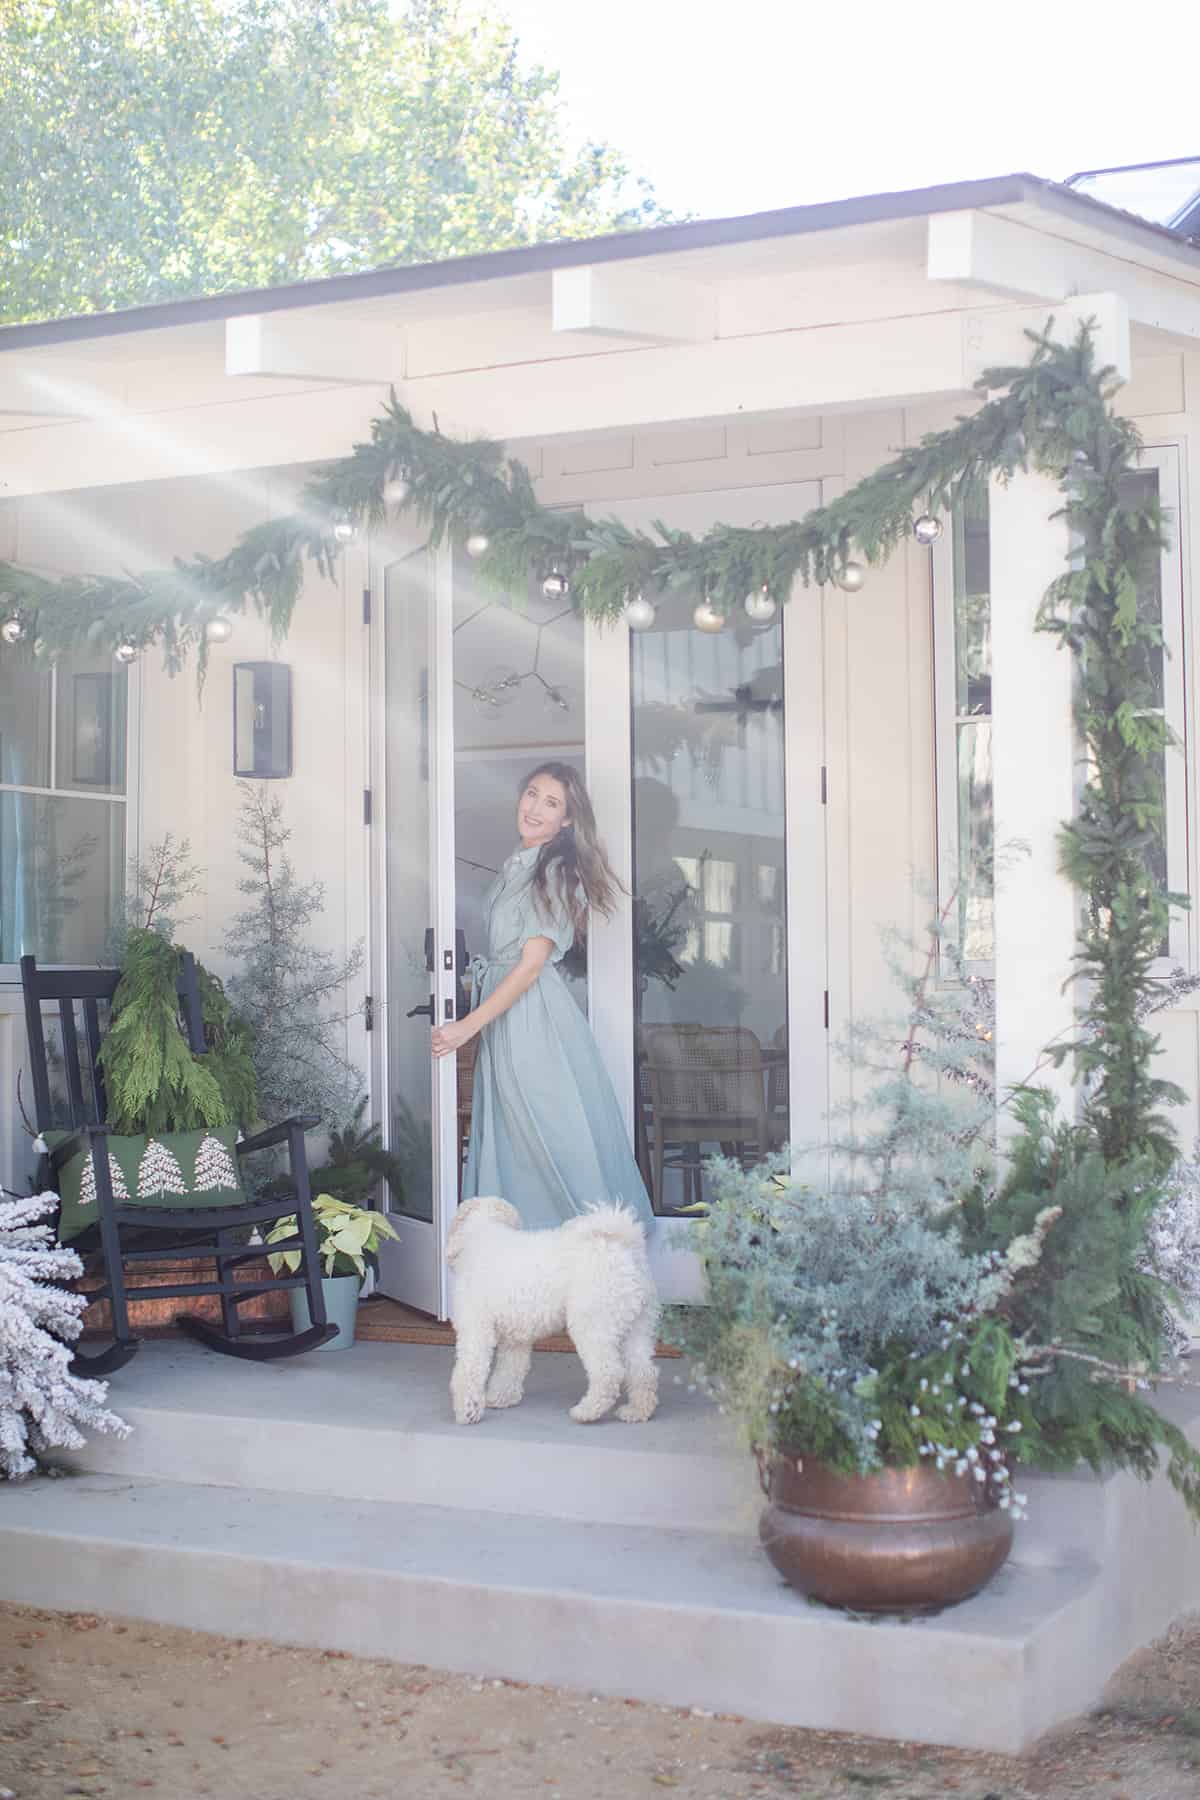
[[1039, 414]]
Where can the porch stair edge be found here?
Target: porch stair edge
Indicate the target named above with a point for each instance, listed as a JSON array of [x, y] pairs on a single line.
[[682, 1618]]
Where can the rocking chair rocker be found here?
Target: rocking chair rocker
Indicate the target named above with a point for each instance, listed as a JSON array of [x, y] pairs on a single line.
[[124, 1234]]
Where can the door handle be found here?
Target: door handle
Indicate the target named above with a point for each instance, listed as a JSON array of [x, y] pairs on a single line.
[[417, 1012]]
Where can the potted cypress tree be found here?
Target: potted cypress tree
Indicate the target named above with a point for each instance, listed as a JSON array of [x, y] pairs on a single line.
[[898, 1335]]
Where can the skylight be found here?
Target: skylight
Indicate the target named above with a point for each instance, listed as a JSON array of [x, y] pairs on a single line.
[[1167, 193]]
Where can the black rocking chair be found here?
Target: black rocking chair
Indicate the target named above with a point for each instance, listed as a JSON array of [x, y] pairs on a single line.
[[126, 1234]]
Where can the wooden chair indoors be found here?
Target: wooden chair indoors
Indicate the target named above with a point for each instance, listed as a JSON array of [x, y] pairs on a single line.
[[704, 1084], [125, 1234], [465, 1059]]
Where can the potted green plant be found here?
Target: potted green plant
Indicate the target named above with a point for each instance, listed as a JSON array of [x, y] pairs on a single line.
[[858, 1343], [898, 1333], [348, 1239]]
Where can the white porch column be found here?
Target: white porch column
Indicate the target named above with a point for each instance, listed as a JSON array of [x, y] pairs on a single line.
[[1034, 771]]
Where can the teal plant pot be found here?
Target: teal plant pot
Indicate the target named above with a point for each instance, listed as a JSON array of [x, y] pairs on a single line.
[[341, 1308]]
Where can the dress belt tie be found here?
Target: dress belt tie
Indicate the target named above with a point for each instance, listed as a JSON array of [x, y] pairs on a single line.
[[478, 968]]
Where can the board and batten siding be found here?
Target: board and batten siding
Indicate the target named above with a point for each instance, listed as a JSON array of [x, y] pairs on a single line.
[[880, 820]]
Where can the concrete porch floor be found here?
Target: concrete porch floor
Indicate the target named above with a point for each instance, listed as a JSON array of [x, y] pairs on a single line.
[[332, 1502]]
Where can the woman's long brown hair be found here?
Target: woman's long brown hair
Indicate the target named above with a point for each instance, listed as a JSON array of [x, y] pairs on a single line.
[[574, 857]]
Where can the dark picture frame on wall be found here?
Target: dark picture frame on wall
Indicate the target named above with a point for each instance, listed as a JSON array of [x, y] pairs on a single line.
[[92, 730]]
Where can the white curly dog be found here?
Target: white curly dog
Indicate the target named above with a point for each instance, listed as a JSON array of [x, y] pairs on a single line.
[[590, 1277]]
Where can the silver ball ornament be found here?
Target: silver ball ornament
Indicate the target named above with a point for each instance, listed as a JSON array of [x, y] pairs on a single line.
[[850, 577], [640, 613], [126, 653], [707, 618], [760, 606], [12, 630], [218, 630], [478, 544], [344, 528], [556, 586], [395, 491], [927, 530]]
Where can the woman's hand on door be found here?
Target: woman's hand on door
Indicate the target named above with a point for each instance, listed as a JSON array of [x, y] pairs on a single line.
[[452, 1036]]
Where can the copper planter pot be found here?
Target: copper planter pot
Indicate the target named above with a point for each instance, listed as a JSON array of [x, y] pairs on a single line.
[[899, 1540]]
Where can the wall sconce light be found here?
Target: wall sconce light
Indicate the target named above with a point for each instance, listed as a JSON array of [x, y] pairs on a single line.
[[262, 720]]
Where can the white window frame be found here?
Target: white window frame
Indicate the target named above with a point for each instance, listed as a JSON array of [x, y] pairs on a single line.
[[130, 798], [1166, 459], [945, 733]]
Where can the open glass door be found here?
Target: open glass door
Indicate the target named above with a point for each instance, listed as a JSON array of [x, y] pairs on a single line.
[[413, 808]]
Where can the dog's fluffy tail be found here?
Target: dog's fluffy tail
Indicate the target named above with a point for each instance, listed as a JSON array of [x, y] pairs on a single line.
[[613, 1222]]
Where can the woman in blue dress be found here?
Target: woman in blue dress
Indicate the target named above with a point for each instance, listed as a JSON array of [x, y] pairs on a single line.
[[547, 1133]]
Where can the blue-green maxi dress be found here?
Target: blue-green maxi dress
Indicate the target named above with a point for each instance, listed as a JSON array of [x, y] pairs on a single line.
[[546, 1130]]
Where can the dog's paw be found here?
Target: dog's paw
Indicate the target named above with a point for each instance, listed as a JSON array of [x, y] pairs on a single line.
[[499, 1397], [636, 1412], [469, 1413], [587, 1412]]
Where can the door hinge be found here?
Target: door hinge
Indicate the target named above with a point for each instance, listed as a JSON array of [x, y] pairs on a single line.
[[366, 806], [824, 785], [369, 1013], [827, 1009], [366, 597]]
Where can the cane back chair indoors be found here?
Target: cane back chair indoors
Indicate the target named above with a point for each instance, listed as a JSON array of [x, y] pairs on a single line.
[[703, 1084], [130, 1234]]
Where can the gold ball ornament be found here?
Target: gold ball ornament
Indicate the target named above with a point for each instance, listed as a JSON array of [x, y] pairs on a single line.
[[927, 530], [126, 653], [395, 491], [218, 630], [12, 630], [344, 528], [707, 618], [850, 577], [556, 586], [478, 544]]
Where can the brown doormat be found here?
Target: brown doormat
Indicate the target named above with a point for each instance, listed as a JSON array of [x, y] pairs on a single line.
[[386, 1321]]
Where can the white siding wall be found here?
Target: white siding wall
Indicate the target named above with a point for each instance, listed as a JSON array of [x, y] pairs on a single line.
[[879, 748]]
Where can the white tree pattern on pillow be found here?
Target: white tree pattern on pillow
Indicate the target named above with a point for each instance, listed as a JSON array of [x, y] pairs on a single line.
[[87, 1184], [159, 1172], [214, 1167]]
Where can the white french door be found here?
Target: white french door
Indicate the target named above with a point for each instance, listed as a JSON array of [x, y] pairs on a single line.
[[470, 692], [413, 950]]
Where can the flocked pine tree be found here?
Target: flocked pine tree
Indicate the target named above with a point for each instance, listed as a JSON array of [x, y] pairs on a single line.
[[294, 991], [42, 1405]]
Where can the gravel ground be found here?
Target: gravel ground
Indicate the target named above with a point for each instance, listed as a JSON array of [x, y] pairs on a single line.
[[107, 1707]]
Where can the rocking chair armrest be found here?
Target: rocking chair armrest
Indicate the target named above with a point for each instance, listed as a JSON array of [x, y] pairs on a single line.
[[278, 1134], [80, 1139]]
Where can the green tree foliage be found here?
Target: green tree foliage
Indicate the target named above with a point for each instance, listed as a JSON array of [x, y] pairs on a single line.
[[154, 1082], [151, 149], [292, 989]]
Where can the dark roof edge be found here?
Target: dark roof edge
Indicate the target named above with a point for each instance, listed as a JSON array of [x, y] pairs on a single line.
[[529, 259]]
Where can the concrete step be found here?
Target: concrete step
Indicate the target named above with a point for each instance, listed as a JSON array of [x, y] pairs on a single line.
[[373, 1423], [688, 1618]]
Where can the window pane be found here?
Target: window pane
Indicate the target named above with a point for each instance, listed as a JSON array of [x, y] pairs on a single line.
[[24, 721], [972, 607], [710, 942], [975, 854], [90, 724], [62, 866]]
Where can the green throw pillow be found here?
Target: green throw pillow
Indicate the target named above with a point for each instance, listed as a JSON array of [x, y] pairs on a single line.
[[171, 1169]]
